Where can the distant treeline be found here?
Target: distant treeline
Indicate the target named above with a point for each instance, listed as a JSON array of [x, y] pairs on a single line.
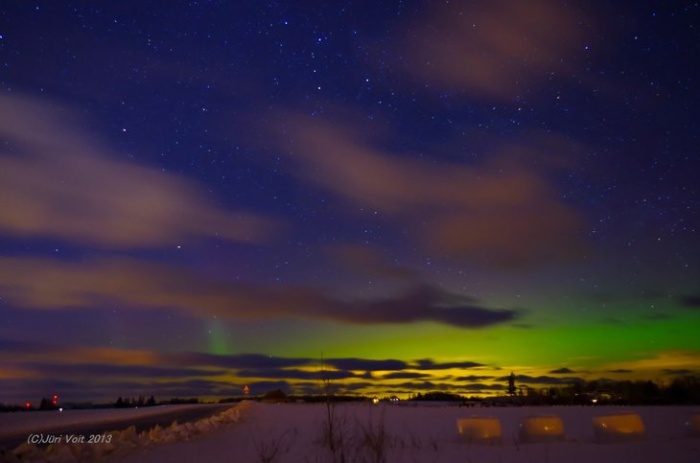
[[132, 403], [121, 402], [680, 391]]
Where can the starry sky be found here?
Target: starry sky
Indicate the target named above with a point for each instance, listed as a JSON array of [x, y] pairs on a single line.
[[401, 196]]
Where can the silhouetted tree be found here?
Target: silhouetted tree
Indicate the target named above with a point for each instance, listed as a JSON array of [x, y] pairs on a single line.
[[275, 396], [678, 392], [439, 396], [46, 404], [511, 384]]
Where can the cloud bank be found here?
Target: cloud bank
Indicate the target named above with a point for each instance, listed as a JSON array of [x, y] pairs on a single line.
[[504, 212], [496, 49], [56, 181], [50, 284]]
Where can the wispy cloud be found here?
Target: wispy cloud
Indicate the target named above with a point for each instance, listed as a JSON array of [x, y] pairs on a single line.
[[679, 372], [238, 361], [316, 375], [504, 212], [51, 284], [428, 364], [425, 303], [472, 378], [96, 372], [360, 364], [496, 49], [561, 371], [659, 362], [66, 354], [405, 375], [120, 362], [57, 181], [544, 380], [106, 371]]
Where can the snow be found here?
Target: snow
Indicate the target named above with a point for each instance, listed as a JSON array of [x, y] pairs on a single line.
[[108, 445], [258, 432], [36, 421]]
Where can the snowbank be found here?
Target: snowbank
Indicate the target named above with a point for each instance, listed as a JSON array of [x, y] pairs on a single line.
[[40, 421], [117, 444]]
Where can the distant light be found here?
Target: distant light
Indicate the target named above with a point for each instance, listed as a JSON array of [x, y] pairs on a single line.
[[60, 409], [594, 401], [375, 400]]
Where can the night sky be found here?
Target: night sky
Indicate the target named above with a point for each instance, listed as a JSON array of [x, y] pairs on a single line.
[[406, 196]]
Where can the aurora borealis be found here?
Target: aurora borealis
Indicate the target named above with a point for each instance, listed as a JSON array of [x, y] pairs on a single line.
[[411, 196]]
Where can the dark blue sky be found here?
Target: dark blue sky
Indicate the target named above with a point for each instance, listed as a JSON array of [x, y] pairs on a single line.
[[387, 182]]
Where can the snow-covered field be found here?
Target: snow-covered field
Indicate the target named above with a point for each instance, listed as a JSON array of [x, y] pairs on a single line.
[[18, 422], [257, 432]]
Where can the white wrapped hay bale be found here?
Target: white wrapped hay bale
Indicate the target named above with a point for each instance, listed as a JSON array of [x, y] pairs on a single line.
[[542, 428], [480, 429], [621, 427]]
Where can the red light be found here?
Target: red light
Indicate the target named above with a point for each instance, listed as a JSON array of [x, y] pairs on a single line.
[[27, 405]]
